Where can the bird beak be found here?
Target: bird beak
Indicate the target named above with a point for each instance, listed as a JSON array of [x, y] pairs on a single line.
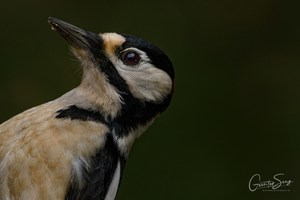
[[75, 36]]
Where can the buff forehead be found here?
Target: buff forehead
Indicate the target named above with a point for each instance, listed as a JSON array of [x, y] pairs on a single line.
[[112, 41]]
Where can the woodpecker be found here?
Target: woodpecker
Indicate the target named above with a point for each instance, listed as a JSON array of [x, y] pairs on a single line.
[[76, 146]]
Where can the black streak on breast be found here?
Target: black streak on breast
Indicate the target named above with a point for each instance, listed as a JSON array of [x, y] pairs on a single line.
[[99, 176], [104, 162]]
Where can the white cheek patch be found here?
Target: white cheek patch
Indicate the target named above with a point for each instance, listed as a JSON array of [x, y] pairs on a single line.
[[148, 82], [145, 81]]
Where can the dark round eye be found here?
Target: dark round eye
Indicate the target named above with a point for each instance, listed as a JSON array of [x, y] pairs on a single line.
[[130, 58]]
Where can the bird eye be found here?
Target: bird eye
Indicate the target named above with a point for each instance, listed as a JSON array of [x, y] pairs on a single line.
[[130, 58]]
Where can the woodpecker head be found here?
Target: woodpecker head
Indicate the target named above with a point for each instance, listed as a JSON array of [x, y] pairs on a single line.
[[127, 78]]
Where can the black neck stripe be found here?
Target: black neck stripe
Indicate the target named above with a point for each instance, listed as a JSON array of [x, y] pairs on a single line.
[[75, 113], [132, 114]]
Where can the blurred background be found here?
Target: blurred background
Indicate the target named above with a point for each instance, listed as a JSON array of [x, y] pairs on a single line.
[[236, 108]]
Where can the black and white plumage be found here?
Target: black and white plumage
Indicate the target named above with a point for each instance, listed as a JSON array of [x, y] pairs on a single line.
[[75, 147]]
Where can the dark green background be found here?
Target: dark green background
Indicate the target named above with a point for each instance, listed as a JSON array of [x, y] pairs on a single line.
[[236, 107]]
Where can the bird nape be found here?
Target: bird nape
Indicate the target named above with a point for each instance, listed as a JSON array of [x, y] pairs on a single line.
[[75, 147]]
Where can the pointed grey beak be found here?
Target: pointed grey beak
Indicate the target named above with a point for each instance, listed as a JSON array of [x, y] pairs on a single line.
[[76, 36]]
